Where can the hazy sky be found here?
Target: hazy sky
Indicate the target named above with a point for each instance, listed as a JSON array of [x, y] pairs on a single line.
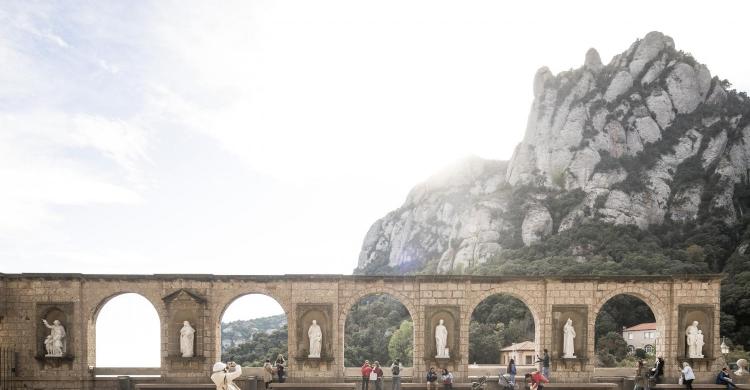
[[264, 137]]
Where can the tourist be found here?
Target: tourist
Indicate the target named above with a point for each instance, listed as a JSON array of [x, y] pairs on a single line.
[[511, 371], [281, 368], [545, 363], [377, 375], [267, 372], [639, 376], [724, 379], [396, 375], [656, 373], [687, 375], [537, 379], [432, 377], [224, 374], [366, 370], [447, 379]]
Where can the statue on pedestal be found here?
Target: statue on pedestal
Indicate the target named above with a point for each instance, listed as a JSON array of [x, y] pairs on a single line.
[[55, 343], [316, 339], [441, 340], [187, 340], [694, 338], [569, 335]]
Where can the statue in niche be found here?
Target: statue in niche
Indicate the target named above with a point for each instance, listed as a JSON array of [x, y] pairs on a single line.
[[569, 335], [187, 333], [316, 339], [699, 343], [441, 340], [691, 335], [55, 343]]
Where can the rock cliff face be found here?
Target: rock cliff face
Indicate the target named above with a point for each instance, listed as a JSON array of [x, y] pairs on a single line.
[[648, 137]]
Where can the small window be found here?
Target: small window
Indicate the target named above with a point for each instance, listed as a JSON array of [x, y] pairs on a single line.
[[528, 360], [649, 349], [630, 336]]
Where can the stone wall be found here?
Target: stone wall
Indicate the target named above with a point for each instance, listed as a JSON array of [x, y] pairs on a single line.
[[206, 297]]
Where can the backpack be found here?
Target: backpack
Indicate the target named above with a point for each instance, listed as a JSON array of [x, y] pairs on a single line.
[[396, 369]]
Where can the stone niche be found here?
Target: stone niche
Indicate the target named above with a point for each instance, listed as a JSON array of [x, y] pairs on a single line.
[[579, 315], [51, 311], [704, 314], [323, 314], [451, 316], [185, 305]]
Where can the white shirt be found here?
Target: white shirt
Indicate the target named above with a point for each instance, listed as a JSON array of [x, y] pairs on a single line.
[[223, 380], [687, 372]]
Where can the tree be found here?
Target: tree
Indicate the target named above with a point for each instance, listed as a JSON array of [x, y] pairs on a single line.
[[612, 343], [401, 343], [485, 342], [370, 325]]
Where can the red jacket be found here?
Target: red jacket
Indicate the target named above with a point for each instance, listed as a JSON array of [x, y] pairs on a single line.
[[366, 370], [537, 378]]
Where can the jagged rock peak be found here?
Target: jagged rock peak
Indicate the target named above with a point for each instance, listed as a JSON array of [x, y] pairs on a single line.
[[634, 142], [593, 61], [541, 77]]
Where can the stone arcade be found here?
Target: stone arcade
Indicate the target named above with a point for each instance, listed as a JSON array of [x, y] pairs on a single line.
[[75, 300]]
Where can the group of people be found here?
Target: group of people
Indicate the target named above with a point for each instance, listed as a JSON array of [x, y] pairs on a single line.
[[372, 375], [644, 379], [224, 374], [277, 369]]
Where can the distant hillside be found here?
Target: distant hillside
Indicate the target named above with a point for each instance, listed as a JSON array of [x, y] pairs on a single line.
[[240, 332], [638, 166]]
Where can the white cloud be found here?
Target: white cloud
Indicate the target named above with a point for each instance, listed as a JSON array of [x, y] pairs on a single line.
[[52, 158]]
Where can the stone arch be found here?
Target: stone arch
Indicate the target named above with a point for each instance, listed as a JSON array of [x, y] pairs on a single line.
[[647, 296], [526, 299], [398, 295], [221, 306], [102, 300]]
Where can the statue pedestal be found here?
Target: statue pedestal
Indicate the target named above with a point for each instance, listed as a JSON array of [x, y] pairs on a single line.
[[568, 363]]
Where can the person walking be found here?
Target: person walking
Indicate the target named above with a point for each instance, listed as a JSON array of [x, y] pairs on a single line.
[[544, 360], [687, 375], [511, 371], [281, 368], [396, 375], [267, 373], [366, 370], [223, 375], [432, 378], [724, 379], [377, 373], [447, 378]]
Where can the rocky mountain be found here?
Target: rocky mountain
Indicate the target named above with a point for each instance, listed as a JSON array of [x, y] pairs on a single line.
[[649, 139]]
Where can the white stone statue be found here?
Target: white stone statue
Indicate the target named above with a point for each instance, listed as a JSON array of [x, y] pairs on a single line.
[[48, 345], [316, 339], [699, 343], [55, 343], [691, 334], [741, 367], [187, 338], [441, 340], [569, 335]]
